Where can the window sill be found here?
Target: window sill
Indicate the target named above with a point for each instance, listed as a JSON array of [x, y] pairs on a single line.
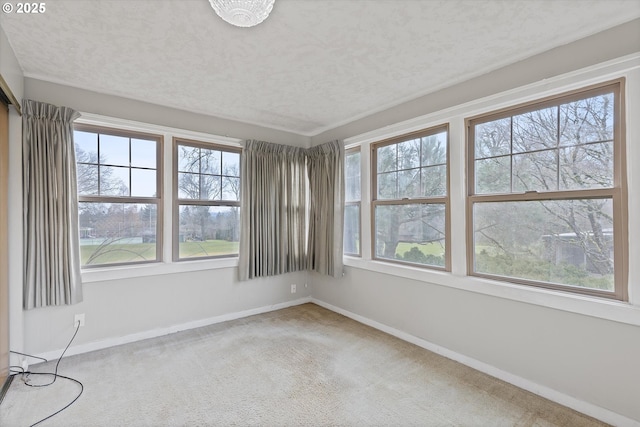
[[616, 311], [155, 269]]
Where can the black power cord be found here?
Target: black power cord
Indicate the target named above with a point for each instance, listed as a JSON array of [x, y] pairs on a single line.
[[26, 374], [68, 404]]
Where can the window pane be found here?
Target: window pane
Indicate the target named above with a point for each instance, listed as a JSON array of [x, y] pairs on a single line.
[[493, 138], [143, 183], [188, 186], [188, 159], [535, 130], [434, 149], [208, 174], [86, 151], [587, 166], [352, 229], [210, 161], [210, 187], [143, 153], [409, 154], [230, 163], [587, 120], [230, 188], [87, 176], [114, 181], [112, 233], [352, 176], [86, 146], [493, 175], [352, 191], [412, 233], [567, 242], [409, 183], [206, 231], [388, 185], [387, 159], [114, 150], [535, 171], [434, 181], [116, 232]]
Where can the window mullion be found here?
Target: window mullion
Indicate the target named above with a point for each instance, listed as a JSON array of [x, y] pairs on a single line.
[[558, 149], [511, 153], [98, 165]]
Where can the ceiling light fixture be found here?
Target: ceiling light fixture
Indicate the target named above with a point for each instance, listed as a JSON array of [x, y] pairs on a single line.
[[242, 13]]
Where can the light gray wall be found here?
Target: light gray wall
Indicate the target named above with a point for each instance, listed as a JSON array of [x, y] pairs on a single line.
[[590, 359], [593, 360], [116, 309], [120, 308], [12, 74], [613, 43], [128, 109]]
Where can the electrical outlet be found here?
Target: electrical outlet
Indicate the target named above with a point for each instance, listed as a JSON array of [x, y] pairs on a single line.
[[78, 318], [293, 289]]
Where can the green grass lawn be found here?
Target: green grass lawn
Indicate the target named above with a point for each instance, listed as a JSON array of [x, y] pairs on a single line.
[[118, 253], [427, 249], [115, 253], [208, 248]]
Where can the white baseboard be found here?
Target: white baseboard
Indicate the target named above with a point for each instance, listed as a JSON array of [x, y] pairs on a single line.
[[111, 342], [546, 392], [586, 408]]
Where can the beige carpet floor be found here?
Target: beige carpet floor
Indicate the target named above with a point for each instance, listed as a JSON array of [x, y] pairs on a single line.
[[303, 366]]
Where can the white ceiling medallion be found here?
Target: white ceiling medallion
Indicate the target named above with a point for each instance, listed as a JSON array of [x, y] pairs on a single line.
[[242, 13]]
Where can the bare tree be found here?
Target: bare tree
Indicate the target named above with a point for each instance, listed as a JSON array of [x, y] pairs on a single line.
[[205, 176], [92, 179], [412, 169], [561, 148]]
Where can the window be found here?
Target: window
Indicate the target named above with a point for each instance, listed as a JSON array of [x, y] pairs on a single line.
[[410, 207], [546, 190], [207, 200], [352, 203], [119, 196]]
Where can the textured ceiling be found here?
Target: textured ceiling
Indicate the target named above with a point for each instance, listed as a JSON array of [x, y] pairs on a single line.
[[312, 65]]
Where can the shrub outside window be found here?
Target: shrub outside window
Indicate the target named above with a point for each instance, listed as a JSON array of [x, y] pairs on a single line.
[[410, 207], [352, 205], [206, 200], [546, 193], [119, 196]]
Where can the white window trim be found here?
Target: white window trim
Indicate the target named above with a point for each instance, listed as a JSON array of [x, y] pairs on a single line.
[[619, 311], [167, 266]]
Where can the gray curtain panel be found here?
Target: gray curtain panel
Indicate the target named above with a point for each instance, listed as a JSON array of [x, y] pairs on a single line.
[[273, 210], [50, 207], [325, 164]]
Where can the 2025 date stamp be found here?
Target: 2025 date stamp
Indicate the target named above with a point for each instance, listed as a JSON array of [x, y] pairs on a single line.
[[29, 8]]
